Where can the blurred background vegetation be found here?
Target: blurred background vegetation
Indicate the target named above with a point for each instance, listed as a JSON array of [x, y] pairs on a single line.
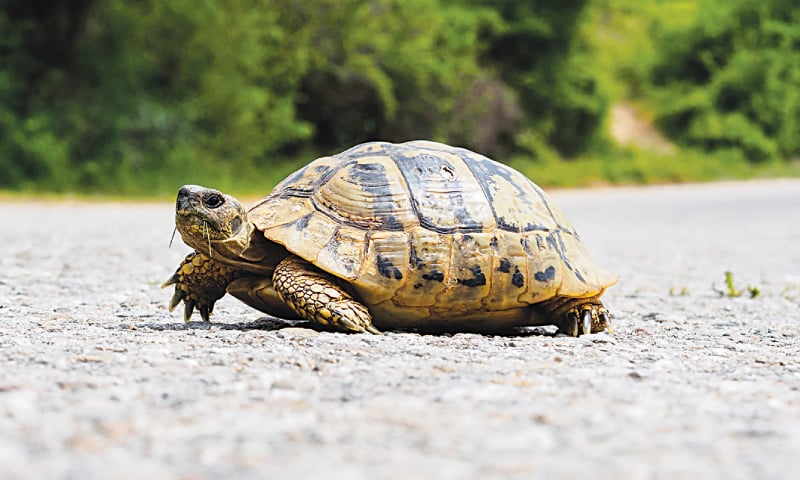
[[139, 97]]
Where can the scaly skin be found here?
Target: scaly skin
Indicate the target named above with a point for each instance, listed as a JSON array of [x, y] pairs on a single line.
[[200, 281], [314, 296], [578, 316]]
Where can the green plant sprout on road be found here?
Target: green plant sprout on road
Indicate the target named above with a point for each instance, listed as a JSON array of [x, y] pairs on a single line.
[[731, 290]]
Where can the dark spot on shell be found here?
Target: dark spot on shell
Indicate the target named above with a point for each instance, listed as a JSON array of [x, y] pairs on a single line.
[[463, 215], [517, 279], [531, 226], [477, 280], [387, 268], [540, 243], [578, 274], [417, 285], [553, 242], [349, 264], [506, 225], [413, 259], [448, 172], [302, 222], [526, 246], [434, 275], [557, 243], [547, 275], [505, 266]]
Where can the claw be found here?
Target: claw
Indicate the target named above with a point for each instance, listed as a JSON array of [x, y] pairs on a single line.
[[172, 280], [205, 313], [187, 312], [606, 320], [176, 298], [350, 326], [371, 329], [587, 322], [570, 327]]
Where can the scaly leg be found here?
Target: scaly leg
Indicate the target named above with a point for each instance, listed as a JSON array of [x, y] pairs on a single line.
[[200, 281], [315, 296], [577, 316]]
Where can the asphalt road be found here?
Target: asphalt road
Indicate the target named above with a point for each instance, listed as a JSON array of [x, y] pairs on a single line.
[[98, 380]]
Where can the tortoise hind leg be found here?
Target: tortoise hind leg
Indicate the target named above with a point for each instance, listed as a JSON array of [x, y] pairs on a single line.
[[577, 316], [315, 296]]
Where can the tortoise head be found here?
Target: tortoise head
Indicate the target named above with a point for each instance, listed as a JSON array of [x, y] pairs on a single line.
[[208, 220]]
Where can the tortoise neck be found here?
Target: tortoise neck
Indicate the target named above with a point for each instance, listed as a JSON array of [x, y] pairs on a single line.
[[251, 251]]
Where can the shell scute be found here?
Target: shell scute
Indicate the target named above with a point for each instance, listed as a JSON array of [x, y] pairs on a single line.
[[446, 195], [509, 273], [368, 193], [343, 255], [428, 263], [383, 270], [468, 281]]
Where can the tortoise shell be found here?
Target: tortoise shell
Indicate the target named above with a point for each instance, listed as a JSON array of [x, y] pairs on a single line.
[[425, 231]]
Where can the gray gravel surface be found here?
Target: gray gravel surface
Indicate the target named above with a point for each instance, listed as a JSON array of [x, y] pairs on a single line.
[[98, 380]]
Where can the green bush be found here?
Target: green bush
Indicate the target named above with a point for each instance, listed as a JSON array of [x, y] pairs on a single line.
[[146, 87], [138, 97], [729, 80], [113, 95], [386, 69], [540, 50]]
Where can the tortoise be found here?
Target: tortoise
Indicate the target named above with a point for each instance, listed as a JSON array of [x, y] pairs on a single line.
[[417, 235]]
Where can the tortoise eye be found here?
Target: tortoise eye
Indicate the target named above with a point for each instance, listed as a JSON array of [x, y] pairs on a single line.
[[213, 201]]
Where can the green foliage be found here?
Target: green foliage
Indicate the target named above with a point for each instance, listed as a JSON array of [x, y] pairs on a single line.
[[731, 290], [634, 166], [148, 87], [539, 49], [30, 150], [386, 69], [140, 97], [729, 80]]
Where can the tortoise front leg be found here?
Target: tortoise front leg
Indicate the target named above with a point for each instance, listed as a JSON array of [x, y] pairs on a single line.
[[199, 282], [315, 296]]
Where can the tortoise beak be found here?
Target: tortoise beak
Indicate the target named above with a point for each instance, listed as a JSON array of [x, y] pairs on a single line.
[[191, 218], [189, 199], [189, 208]]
